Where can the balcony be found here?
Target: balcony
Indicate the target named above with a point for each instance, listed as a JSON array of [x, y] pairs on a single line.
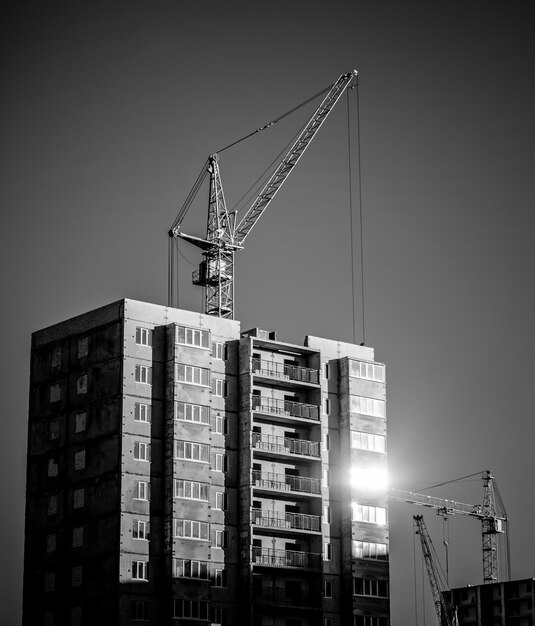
[[286, 445], [284, 408], [268, 557], [282, 597], [286, 521], [283, 482], [281, 372]]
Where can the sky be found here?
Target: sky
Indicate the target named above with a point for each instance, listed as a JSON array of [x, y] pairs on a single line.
[[109, 110]]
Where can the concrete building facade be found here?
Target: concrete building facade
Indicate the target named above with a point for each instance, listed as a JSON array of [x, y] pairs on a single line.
[[181, 471]]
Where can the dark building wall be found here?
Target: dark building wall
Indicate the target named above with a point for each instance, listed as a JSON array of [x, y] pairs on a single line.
[[73, 464]]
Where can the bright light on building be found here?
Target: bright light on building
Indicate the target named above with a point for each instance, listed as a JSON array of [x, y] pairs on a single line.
[[372, 479]]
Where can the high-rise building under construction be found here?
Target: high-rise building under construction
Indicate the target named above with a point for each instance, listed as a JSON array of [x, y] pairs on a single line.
[[183, 472]]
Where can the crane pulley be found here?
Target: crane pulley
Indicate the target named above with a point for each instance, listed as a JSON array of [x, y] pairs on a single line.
[[224, 235]]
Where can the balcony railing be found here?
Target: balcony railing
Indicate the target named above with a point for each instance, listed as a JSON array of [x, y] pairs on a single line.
[[285, 372], [282, 597], [285, 558], [288, 408], [283, 482], [292, 521], [286, 445]]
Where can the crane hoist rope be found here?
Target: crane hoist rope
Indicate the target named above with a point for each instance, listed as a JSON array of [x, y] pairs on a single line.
[[225, 235]]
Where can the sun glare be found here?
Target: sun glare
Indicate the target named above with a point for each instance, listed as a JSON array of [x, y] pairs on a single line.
[[372, 479]]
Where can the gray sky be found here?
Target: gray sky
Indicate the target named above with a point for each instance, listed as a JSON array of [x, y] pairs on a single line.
[[109, 110]]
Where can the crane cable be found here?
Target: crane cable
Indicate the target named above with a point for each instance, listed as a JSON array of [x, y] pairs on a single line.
[[359, 176], [277, 119]]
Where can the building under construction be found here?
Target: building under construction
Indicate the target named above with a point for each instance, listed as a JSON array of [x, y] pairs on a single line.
[[181, 471], [508, 603]]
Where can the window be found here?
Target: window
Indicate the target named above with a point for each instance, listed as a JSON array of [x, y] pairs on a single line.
[[52, 505], [219, 350], [368, 406], [141, 451], [192, 451], [365, 620], [192, 412], [368, 550], [50, 581], [328, 621], [197, 609], [53, 430], [81, 384], [78, 537], [326, 442], [140, 530], [55, 359], [368, 441], [193, 337], [79, 460], [76, 616], [48, 618], [82, 348], [373, 514], [219, 387], [327, 552], [327, 589], [143, 374], [187, 568], [141, 490], [143, 336], [79, 498], [76, 575], [325, 477], [220, 578], [142, 412], [219, 539], [192, 529], [218, 617], [220, 425], [326, 371], [193, 375], [140, 570], [52, 470], [327, 514], [55, 393], [191, 489], [326, 406], [141, 611], [220, 501], [369, 587], [220, 463], [369, 371], [80, 422], [51, 542]]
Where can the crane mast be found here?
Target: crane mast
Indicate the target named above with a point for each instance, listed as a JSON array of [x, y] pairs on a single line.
[[446, 616], [224, 237]]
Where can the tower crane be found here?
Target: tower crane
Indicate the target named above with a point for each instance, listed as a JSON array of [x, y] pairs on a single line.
[[445, 614], [224, 235], [492, 522]]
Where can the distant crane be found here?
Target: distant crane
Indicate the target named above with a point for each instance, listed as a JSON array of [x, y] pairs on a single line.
[[445, 614], [224, 236], [492, 522]]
